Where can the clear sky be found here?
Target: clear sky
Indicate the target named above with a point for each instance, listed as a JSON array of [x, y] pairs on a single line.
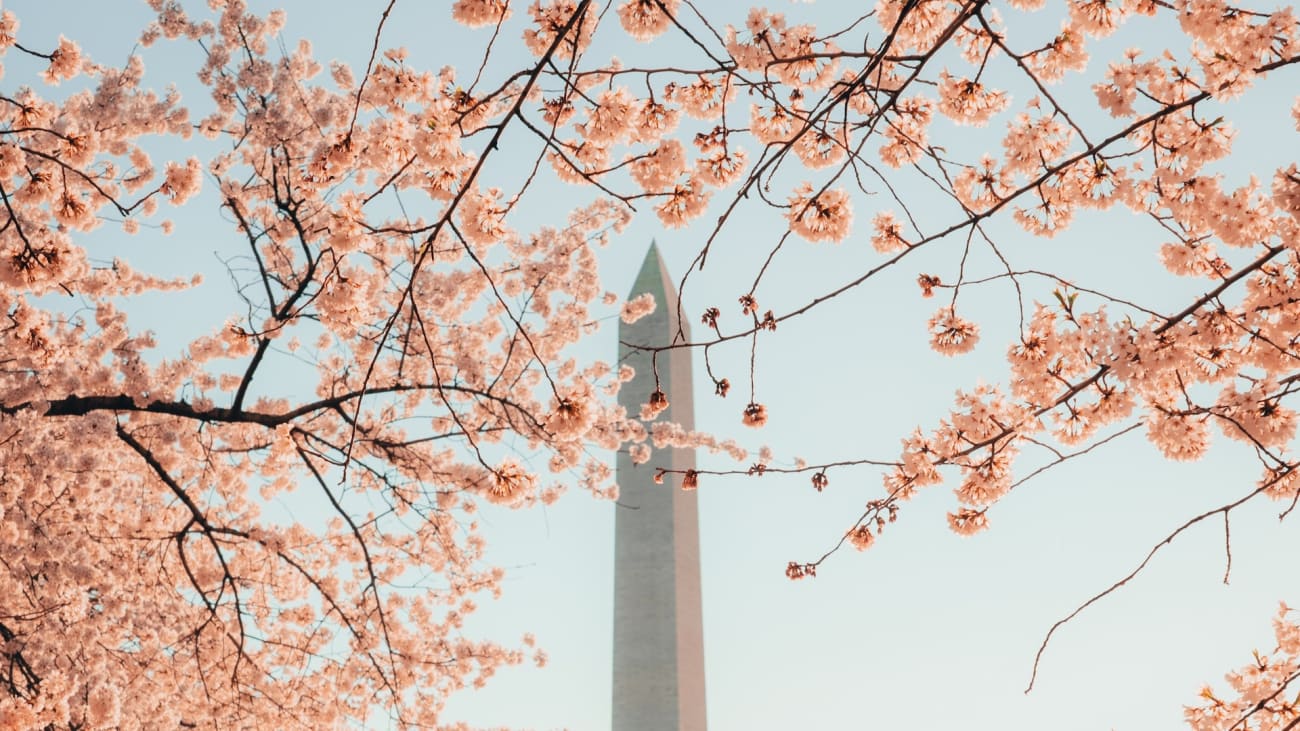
[[927, 629]]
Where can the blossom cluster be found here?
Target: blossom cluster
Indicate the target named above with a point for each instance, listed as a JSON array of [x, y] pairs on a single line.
[[379, 256]]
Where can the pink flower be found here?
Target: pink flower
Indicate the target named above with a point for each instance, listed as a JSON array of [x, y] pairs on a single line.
[[104, 707], [721, 168], [927, 283], [1286, 184], [690, 480], [704, 97], [610, 120], [777, 127], [968, 102], [1254, 417], [1097, 18], [640, 454], [686, 202], [1181, 438], [645, 19], [65, 62], [981, 186], [906, 136], [1032, 142], [984, 483], [553, 17], [968, 522], [1281, 484], [510, 483], [637, 308], [570, 419], [653, 121], [950, 334], [476, 13], [580, 161], [8, 29], [658, 170], [656, 406], [825, 216], [820, 148], [889, 233], [183, 182], [861, 537]]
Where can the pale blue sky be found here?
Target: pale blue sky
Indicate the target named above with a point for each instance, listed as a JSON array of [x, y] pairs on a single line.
[[927, 630]]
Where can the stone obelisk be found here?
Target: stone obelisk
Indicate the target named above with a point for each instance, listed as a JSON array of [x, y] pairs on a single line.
[[658, 626]]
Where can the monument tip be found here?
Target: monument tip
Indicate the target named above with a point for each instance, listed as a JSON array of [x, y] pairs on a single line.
[[653, 277]]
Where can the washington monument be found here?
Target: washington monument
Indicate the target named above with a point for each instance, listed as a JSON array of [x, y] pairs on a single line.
[[658, 628]]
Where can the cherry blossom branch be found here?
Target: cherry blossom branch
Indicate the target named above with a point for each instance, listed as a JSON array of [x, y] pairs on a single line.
[[1004, 434], [972, 220], [370, 64], [372, 585], [468, 183], [82, 405], [1221, 510], [210, 532]]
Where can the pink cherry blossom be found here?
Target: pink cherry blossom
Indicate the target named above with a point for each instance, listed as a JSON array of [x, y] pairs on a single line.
[[820, 216], [416, 274], [645, 19], [952, 335]]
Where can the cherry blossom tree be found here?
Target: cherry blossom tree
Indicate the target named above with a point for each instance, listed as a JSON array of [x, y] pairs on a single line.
[[147, 579]]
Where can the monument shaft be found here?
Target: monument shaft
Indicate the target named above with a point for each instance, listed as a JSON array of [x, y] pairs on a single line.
[[658, 625]]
